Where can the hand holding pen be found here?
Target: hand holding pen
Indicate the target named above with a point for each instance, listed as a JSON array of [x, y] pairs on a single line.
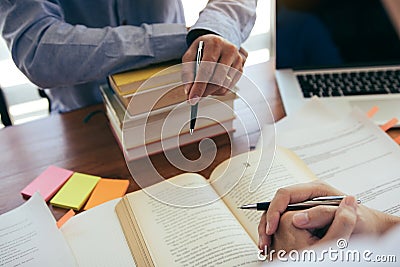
[[317, 201], [329, 224], [346, 219], [220, 68], [194, 108], [322, 223]]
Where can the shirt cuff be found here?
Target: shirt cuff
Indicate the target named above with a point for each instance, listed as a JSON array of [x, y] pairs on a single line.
[[194, 34], [224, 28], [168, 41]]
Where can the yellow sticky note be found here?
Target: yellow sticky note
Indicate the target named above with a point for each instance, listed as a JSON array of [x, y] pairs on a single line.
[[105, 190], [75, 191]]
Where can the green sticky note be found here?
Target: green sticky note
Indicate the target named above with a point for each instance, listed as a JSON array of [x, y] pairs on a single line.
[[75, 191]]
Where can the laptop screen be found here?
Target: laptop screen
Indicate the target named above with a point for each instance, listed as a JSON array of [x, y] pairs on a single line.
[[315, 34]]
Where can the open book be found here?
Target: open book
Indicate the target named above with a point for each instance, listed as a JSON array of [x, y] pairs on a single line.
[[217, 233], [141, 230], [352, 154]]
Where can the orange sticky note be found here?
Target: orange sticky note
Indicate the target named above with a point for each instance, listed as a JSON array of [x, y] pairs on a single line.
[[105, 190], [372, 111], [389, 124], [397, 139], [65, 218]]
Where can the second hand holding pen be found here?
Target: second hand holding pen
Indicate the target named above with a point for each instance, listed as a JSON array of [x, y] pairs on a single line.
[[193, 108], [318, 201]]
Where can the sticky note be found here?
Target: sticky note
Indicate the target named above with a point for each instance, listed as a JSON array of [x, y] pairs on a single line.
[[397, 139], [65, 218], [372, 111], [105, 190], [389, 124], [48, 182], [75, 191]]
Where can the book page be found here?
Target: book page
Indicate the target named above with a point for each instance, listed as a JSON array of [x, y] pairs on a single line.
[[287, 169], [29, 237], [96, 238], [353, 155], [208, 235]]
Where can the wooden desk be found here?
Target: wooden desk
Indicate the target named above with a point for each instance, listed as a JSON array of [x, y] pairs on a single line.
[[61, 140], [68, 142]]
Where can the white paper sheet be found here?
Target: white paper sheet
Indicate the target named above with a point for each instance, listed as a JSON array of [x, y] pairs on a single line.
[[29, 237], [353, 155], [96, 238]]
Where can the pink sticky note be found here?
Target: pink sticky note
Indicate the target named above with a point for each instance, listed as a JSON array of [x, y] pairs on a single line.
[[47, 183]]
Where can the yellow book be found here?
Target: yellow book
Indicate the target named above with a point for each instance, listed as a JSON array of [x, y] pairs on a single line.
[[75, 191], [134, 81]]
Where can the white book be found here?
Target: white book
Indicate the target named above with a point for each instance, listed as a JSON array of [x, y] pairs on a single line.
[[171, 124], [178, 141]]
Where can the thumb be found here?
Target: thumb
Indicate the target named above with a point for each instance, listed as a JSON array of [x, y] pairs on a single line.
[[316, 217], [344, 222]]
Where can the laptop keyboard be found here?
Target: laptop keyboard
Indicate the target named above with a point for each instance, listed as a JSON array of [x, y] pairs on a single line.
[[350, 83]]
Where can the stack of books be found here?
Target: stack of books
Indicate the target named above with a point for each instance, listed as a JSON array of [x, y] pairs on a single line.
[[149, 113]]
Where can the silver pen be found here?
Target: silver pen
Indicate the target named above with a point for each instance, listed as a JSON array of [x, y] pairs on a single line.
[[318, 201], [193, 108]]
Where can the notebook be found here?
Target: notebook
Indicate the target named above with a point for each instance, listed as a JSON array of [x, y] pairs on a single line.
[[347, 52]]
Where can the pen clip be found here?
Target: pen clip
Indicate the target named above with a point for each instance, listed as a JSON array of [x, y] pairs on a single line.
[[328, 198], [199, 50], [332, 198], [199, 56]]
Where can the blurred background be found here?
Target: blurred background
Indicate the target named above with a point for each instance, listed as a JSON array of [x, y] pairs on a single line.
[[25, 104]]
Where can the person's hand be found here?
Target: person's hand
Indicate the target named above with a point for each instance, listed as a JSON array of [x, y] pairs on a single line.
[[292, 194], [289, 237], [215, 79], [368, 220]]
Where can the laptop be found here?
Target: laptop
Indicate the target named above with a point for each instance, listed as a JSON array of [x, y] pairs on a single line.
[[347, 52]]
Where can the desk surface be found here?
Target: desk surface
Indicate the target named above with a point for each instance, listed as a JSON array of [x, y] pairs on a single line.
[[68, 142]]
